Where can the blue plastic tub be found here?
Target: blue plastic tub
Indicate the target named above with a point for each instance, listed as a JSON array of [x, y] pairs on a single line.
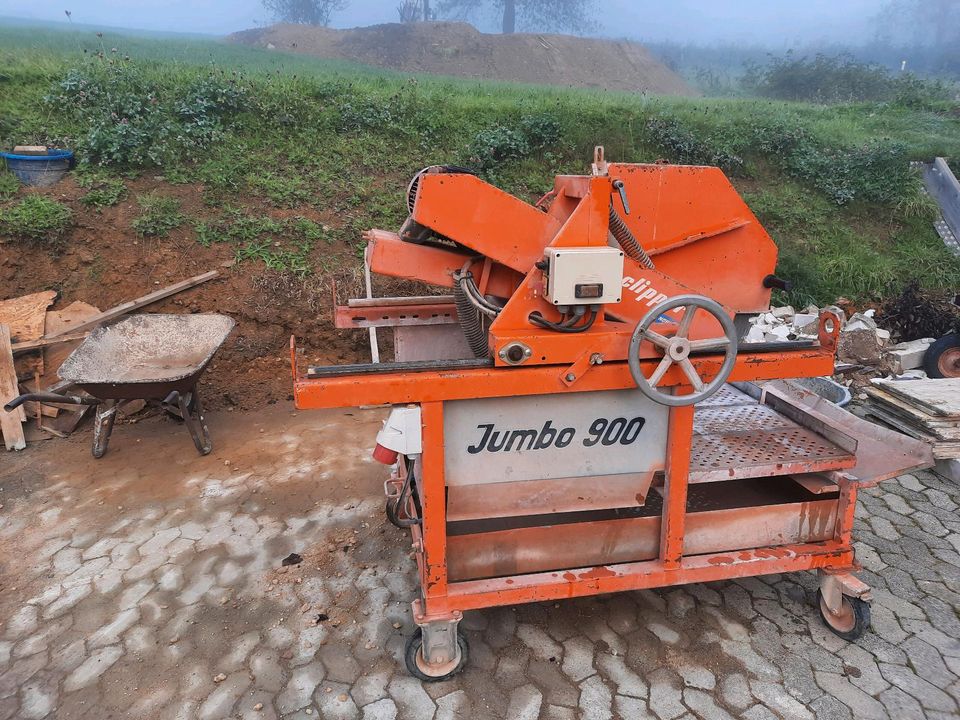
[[40, 170]]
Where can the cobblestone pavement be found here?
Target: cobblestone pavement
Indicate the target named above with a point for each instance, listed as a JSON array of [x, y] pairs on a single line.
[[148, 585]]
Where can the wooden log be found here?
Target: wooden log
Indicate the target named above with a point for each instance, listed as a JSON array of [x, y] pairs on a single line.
[[124, 308], [13, 437]]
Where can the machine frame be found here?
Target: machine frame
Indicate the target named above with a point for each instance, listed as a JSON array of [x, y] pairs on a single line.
[[500, 240]]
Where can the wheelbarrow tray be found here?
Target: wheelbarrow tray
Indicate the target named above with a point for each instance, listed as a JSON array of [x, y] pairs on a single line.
[[146, 356]]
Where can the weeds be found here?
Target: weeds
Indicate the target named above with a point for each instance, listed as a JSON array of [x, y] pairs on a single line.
[[279, 244], [104, 192], [36, 218], [8, 185], [159, 214]]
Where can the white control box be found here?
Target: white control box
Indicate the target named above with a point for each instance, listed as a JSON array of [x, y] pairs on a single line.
[[583, 275]]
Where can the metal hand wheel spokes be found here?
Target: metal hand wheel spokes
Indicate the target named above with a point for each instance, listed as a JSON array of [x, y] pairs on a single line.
[[678, 347]]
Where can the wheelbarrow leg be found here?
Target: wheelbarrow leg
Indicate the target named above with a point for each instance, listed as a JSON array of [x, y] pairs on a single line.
[[103, 426], [192, 413]]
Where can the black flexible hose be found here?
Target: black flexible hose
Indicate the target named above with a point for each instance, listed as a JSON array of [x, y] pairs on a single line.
[[631, 246], [469, 318]]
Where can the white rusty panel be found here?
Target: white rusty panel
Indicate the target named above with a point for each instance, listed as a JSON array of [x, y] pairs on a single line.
[[543, 437]]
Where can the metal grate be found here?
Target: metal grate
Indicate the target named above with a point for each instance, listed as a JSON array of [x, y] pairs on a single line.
[[738, 418], [726, 395], [738, 441]]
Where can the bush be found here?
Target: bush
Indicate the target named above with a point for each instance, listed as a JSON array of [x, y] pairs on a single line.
[[159, 215], [500, 143], [133, 121], [877, 171], [36, 218], [840, 78], [684, 146]]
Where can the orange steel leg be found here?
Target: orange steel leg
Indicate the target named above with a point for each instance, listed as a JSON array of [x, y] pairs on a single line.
[[679, 439], [433, 501]]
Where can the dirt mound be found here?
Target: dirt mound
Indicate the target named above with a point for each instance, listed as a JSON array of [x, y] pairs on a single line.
[[459, 49]]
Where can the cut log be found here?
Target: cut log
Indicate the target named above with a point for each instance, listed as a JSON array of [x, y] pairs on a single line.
[[13, 437], [121, 310]]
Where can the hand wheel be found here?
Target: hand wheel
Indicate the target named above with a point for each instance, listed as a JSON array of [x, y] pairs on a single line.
[[677, 349]]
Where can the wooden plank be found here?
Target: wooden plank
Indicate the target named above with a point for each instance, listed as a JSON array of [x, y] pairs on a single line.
[[27, 345], [148, 299], [67, 318], [25, 315], [13, 437], [940, 397]]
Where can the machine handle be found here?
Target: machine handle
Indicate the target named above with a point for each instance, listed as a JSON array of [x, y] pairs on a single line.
[[618, 186], [48, 397], [775, 283]]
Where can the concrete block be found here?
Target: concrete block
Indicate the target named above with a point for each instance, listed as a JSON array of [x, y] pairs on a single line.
[[906, 356]]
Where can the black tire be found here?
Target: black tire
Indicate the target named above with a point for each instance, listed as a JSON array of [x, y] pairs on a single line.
[[855, 621], [392, 514], [413, 653], [932, 364]]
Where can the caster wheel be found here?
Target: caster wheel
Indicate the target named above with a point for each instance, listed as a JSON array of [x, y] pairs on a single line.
[[851, 622], [413, 657]]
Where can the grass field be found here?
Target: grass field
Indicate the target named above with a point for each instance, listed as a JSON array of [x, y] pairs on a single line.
[[254, 127]]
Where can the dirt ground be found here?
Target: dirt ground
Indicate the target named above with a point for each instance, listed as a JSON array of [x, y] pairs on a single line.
[[104, 263], [458, 49]]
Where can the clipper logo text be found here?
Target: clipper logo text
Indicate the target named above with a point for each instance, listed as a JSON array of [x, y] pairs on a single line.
[[646, 292]]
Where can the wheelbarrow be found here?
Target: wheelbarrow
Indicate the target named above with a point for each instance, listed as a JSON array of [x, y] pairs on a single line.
[[152, 357]]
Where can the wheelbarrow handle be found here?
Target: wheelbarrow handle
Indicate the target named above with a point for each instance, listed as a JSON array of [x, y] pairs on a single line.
[[49, 397]]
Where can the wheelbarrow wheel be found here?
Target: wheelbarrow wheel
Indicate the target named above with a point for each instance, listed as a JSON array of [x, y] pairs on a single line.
[[851, 622], [416, 666]]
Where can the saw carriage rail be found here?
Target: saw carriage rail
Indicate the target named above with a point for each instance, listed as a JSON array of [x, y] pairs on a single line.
[[579, 416]]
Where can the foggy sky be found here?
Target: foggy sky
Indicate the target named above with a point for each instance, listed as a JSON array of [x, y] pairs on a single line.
[[766, 22]]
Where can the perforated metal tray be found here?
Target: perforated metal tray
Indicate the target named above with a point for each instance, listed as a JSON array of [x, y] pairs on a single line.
[[748, 440]]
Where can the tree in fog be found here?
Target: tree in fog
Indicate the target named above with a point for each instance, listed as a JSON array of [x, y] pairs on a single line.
[[305, 12], [414, 11], [570, 15], [926, 22]]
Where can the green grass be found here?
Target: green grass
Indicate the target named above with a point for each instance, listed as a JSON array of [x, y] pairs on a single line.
[[283, 245], [257, 129], [159, 215], [36, 218], [8, 185]]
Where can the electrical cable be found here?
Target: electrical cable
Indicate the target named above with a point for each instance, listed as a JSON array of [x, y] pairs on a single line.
[[537, 319]]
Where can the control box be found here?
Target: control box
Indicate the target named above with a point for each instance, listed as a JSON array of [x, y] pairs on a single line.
[[583, 275]]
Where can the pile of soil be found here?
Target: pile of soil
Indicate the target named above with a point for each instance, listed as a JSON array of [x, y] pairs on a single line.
[[458, 49]]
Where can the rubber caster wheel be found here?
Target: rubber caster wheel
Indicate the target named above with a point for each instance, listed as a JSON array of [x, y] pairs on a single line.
[[942, 358], [413, 657], [852, 621]]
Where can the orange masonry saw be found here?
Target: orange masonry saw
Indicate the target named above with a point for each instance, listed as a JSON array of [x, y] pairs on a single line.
[[579, 416]]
